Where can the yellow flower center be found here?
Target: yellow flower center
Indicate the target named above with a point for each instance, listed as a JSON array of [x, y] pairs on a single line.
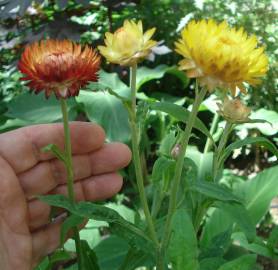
[[128, 45], [126, 41], [228, 41]]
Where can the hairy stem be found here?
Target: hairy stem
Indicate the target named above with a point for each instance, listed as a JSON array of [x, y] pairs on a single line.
[[136, 156], [220, 148], [70, 175], [211, 131], [179, 165]]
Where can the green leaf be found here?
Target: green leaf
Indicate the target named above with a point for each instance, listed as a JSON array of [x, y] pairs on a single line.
[[70, 222], [109, 112], [203, 162], [124, 211], [258, 193], [145, 74], [250, 140], [246, 262], [183, 248], [217, 246], [72, 267], [258, 246], [211, 263], [59, 201], [272, 241], [163, 169], [59, 255], [11, 124], [44, 265], [179, 74], [118, 224], [215, 191], [123, 99], [90, 233], [111, 81], [167, 144], [136, 258], [90, 260], [181, 114], [240, 216], [265, 128], [36, 109], [164, 97], [111, 252], [53, 148]]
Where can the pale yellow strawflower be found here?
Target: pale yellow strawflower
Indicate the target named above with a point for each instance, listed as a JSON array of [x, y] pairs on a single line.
[[128, 45], [234, 111], [220, 56]]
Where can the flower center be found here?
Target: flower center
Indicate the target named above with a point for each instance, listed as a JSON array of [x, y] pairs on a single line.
[[58, 60], [228, 41], [127, 42]]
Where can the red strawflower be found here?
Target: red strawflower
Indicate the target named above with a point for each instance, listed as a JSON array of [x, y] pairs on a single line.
[[59, 66]]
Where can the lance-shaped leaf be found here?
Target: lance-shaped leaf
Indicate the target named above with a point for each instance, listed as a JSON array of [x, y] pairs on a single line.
[[181, 114], [250, 140], [118, 224], [215, 191]]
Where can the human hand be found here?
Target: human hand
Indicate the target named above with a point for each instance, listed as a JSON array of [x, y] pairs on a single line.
[[26, 234]]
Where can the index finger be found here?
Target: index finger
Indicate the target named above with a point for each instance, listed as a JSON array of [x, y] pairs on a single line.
[[21, 148]]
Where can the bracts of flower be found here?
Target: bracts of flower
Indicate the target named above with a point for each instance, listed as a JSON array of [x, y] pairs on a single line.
[[220, 56], [128, 45], [59, 67]]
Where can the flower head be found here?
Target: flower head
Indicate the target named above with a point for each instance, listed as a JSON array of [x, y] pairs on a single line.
[[59, 67], [234, 110], [128, 45], [220, 56]]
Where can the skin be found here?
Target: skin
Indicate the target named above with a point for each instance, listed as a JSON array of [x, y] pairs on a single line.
[[26, 234]]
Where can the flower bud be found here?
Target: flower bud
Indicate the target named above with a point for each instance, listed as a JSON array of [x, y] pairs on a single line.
[[176, 151], [234, 111]]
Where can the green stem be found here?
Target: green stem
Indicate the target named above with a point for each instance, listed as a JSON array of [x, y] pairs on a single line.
[[70, 177], [178, 171], [199, 208], [136, 155], [160, 260], [220, 148], [211, 131]]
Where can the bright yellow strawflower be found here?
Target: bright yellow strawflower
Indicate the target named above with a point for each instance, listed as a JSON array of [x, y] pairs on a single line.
[[128, 45], [220, 56]]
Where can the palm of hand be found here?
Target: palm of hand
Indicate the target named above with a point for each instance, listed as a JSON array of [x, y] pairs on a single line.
[[15, 237]]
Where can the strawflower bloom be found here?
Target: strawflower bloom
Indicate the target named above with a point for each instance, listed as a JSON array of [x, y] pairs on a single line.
[[61, 67], [220, 56], [234, 111], [128, 45]]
